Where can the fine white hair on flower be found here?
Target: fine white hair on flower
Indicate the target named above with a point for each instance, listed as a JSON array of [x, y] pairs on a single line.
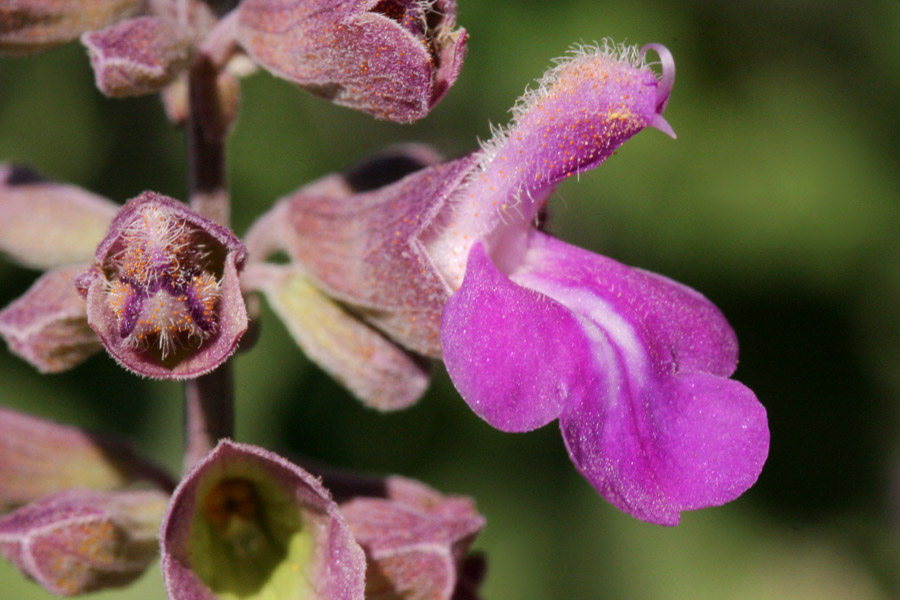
[[577, 54]]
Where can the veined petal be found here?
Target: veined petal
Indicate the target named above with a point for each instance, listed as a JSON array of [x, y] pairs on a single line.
[[246, 523], [394, 59], [516, 356], [374, 369], [39, 458], [28, 26], [48, 325], [138, 56], [80, 541], [44, 224], [364, 249], [663, 430]]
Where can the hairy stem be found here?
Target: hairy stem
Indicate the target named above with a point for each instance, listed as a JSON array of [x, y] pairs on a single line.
[[209, 399]]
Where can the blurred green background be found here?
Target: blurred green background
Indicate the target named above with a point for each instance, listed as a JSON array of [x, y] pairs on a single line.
[[780, 200]]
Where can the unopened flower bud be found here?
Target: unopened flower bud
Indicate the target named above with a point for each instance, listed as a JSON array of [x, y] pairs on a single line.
[[138, 56], [394, 59], [39, 458], [80, 541]]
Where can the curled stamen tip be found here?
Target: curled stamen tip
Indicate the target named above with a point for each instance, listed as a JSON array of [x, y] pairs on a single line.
[[659, 122], [667, 79]]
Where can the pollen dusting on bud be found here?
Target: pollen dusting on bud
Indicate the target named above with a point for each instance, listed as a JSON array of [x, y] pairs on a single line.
[[160, 289]]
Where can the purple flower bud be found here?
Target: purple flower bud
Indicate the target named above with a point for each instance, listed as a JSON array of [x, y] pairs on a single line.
[[394, 59], [163, 293], [247, 523], [28, 26], [138, 56], [39, 458], [48, 325], [415, 540], [44, 224], [81, 541]]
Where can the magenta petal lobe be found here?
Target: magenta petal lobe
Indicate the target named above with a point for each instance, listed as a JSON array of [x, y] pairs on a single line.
[[515, 355], [682, 443]]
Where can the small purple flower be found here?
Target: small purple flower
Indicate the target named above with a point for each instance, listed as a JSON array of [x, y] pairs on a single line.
[[162, 295], [36, 25], [163, 292], [450, 261], [247, 523], [39, 458]]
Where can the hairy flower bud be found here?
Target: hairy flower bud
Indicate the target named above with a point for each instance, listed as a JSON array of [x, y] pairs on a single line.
[[163, 293], [394, 59], [415, 539], [39, 458], [80, 541], [138, 56]]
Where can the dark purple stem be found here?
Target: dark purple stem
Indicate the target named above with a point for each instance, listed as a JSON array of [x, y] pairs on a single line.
[[209, 399]]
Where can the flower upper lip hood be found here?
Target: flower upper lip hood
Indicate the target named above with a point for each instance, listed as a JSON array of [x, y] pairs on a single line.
[[634, 366]]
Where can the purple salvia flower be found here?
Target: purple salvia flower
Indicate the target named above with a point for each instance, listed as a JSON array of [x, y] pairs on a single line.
[[247, 523], [394, 59], [80, 541], [634, 366], [415, 539], [163, 292]]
